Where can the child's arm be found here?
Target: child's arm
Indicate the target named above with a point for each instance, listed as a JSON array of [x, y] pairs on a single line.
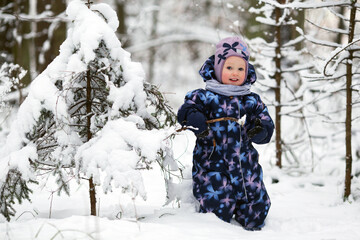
[[192, 112], [261, 127]]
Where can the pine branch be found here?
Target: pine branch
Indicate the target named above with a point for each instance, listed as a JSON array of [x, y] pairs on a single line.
[[13, 188]]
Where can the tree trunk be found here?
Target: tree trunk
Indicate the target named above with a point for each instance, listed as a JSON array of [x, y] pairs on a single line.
[[92, 190], [348, 156], [89, 136], [47, 32], [122, 32], [341, 24], [278, 77], [21, 47], [92, 197], [153, 35], [299, 16], [33, 11]]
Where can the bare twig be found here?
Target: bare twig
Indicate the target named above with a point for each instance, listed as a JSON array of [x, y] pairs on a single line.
[[334, 56], [336, 30]]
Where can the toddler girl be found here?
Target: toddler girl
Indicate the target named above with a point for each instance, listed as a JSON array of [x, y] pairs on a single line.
[[227, 178]]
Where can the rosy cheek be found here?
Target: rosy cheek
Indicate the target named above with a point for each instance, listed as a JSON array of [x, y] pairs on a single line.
[[225, 75]]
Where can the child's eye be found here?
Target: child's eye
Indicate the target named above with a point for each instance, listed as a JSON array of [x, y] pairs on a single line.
[[228, 68], [241, 69]]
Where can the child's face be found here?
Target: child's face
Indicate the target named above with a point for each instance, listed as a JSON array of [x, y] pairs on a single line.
[[233, 72]]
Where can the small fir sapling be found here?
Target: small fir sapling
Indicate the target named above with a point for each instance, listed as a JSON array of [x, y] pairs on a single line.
[[89, 115]]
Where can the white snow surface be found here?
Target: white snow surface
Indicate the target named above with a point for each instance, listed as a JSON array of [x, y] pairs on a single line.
[[307, 206]]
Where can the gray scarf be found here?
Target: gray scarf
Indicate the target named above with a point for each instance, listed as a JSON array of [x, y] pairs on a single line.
[[226, 89]]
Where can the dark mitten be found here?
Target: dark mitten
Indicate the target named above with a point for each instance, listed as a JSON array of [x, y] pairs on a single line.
[[197, 121], [258, 128], [203, 134]]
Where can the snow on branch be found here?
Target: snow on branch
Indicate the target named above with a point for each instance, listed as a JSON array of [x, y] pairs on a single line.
[[333, 30], [45, 16], [184, 33], [294, 41], [342, 16], [317, 41], [307, 5], [174, 38], [10, 77], [335, 54]]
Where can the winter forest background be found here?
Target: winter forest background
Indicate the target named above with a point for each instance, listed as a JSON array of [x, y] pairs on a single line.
[[92, 116]]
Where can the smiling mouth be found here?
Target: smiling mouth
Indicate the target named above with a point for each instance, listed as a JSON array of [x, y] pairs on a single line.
[[233, 79]]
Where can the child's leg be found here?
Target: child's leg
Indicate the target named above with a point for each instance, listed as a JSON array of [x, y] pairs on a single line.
[[222, 211], [251, 215], [215, 195]]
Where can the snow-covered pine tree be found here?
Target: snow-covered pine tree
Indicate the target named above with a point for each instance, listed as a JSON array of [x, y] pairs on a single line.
[[88, 115]]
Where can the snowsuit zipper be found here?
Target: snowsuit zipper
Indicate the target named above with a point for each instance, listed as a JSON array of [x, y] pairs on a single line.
[[241, 169]]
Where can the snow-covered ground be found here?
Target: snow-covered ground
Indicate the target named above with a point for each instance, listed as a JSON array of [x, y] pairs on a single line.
[[308, 206]]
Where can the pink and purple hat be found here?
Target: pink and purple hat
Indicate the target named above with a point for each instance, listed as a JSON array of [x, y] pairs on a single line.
[[231, 46]]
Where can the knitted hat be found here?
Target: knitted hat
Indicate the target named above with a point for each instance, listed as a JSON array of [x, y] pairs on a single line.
[[231, 46]]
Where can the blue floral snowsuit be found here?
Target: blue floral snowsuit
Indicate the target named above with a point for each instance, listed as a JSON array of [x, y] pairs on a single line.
[[227, 178]]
